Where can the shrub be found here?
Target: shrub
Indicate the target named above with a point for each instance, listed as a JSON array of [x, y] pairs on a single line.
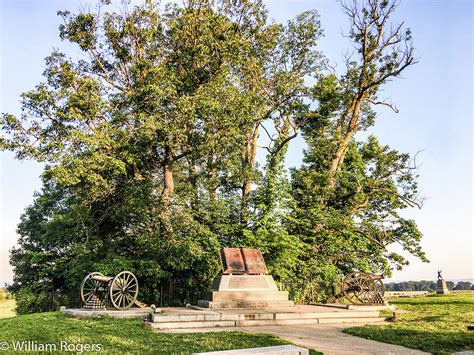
[[29, 302]]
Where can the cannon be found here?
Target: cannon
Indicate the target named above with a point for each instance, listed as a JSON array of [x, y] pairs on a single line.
[[360, 288], [120, 291]]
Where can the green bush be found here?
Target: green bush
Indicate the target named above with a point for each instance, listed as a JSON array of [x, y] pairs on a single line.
[[29, 302]]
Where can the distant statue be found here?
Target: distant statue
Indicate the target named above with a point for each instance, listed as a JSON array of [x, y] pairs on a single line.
[[441, 288]]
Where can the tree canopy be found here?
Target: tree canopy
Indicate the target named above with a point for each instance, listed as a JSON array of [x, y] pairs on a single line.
[[150, 141]]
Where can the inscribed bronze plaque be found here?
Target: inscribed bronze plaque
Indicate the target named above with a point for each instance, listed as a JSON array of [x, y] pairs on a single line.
[[254, 263], [232, 261]]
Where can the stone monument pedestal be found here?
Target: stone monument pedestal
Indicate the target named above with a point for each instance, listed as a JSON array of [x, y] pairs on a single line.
[[244, 283], [245, 291], [441, 288]]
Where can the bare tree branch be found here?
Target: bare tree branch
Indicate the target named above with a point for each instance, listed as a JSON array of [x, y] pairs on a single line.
[[388, 104]]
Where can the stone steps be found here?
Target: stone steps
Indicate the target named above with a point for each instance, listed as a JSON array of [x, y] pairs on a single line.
[[350, 320], [257, 295], [245, 291], [245, 319], [358, 307], [245, 304]]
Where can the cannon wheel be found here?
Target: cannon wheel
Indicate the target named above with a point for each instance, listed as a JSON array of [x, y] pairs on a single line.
[[89, 287], [380, 287], [359, 288], [123, 290]]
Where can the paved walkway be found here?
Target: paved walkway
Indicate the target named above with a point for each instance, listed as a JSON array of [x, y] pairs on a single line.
[[327, 338]]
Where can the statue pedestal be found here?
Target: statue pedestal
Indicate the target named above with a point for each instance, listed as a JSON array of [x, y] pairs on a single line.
[[441, 288], [245, 291]]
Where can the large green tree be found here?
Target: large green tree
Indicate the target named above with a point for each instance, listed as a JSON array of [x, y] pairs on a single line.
[[151, 139], [126, 127], [153, 132], [349, 192]]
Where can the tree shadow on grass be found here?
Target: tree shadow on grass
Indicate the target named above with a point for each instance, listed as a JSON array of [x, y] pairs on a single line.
[[436, 342], [430, 319], [435, 301]]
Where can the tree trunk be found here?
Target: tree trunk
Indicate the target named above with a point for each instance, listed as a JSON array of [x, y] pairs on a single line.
[[248, 162], [212, 189], [194, 183], [212, 195], [211, 178], [341, 151], [168, 189], [168, 181]]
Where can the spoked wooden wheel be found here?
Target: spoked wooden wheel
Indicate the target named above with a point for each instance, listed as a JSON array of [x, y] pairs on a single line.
[[359, 288], [123, 290], [379, 287], [91, 288]]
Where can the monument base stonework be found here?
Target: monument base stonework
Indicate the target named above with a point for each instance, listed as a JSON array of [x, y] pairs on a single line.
[[245, 291], [442, 288]]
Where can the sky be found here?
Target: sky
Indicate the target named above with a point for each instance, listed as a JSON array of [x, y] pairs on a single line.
[[434, 97]]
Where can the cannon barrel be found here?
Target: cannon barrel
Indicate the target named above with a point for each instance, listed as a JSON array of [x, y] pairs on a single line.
[[101, 278]]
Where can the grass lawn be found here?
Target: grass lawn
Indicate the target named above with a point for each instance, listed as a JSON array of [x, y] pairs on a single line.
[[436, 324], [122, 335]]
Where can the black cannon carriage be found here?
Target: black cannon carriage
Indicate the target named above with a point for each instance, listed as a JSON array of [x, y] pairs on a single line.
[[99, 291], [360, 288]]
